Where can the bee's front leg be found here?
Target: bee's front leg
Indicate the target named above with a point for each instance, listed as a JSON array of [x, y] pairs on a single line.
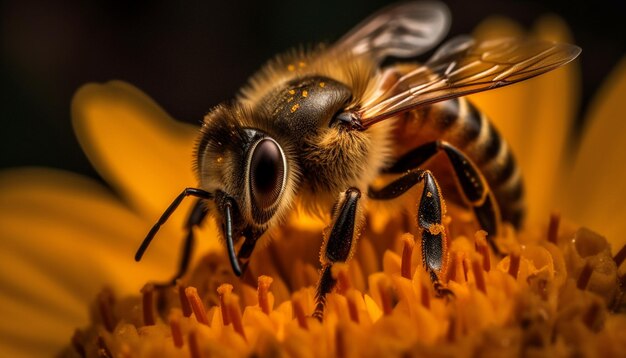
[[338, 244]]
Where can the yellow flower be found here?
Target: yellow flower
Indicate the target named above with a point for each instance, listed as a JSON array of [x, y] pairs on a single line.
[[65, 237]]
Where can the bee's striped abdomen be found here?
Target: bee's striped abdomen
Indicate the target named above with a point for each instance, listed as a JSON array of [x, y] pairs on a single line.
[[460, 123]]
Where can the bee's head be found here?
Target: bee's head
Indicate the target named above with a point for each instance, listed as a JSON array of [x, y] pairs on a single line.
[[240, 161]]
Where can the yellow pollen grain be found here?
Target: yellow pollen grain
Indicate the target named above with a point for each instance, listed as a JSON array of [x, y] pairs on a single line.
[[305, 93], [289, 99], [295, 107], [219, 159], [429, 194], [301, 64], [292, 92], [291, 68], [322, 84]]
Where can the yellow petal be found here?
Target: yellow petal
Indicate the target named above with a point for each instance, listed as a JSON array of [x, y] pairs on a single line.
[[535, 116], [553, 109], [138, 149], [65, 237], [597, 187]]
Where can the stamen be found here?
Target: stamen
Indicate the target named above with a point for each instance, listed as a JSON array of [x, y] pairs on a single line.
[[451, 334], [384, 288], [553, 228], [103, 349], [483, 248], [224, 291], [451, 272], [424, 293], [147, 303], [591, 315], [184, 302], [177, 334], [478, 275], [340, 342], [466, 267], [77, 339], [196, 305], [194, 348], [234, 312], [263, 288], [514, 260], [585, 275], [105, 306], [620, 256], [351, 297], [340, 272], [298, 309], [408, 241]]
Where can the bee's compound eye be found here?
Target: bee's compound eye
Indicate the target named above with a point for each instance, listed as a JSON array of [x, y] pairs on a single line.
[[267, 170]]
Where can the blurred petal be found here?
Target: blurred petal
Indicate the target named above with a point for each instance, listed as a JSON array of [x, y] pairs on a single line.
[[535, 116], [597, 186], [65, 237], [140, 150]]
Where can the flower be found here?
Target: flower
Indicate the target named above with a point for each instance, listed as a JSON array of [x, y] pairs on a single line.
[[66, 237]]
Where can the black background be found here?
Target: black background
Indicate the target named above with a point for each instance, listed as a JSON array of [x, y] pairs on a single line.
[[190, 55]]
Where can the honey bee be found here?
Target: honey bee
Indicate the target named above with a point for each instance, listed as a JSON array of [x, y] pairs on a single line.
[[317, 128]]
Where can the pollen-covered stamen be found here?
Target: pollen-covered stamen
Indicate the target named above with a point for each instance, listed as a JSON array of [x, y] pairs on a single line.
[[351, 297], [620, 256], [194, 347], [234, 312], [482, 247], [298, 309], [184, 302], [408, 242], [584, 277], [340, 272], [478, 274], [514, 260], [196, 305], [106, 301], [147, 303], [386, 298], [263, 288], [177, 334], [224, 291], [553, 227]]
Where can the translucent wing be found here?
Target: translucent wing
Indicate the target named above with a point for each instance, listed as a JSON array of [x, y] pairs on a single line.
[[463, 66], [401, 30]]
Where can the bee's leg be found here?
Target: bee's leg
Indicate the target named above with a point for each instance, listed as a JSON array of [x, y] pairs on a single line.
[[339, 244], [196, 216], [429, 216], [472, 184]]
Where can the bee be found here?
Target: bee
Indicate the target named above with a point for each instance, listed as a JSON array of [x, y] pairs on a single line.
[[317, 128]]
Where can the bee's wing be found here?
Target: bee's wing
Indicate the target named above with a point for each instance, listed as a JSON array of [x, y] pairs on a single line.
[[401, 30], [463, 66]]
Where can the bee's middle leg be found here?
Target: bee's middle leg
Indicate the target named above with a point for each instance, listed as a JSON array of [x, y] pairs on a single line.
[[429, 219], [339, 245]]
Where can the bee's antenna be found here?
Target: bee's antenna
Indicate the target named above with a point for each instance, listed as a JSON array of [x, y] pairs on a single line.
[[228, 230], [199, 193]]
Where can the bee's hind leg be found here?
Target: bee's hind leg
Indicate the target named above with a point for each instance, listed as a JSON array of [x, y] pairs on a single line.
[[472, 184], [339, 244], [429, 217]]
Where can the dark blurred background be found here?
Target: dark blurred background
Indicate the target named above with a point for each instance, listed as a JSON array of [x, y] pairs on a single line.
[[191, 55]]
